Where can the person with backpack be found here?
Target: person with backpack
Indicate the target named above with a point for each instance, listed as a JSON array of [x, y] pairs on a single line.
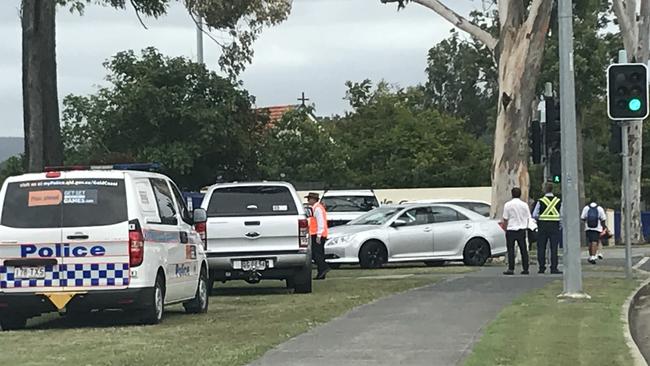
[[595, 222]]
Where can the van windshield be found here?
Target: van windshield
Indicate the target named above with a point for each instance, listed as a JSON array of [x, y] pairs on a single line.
[[252, 201], [64, 203]]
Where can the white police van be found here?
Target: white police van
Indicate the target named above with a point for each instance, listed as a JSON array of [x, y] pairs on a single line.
[[97, 238]]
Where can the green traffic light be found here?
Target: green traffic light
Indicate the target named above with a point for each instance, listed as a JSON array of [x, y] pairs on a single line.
[[556, 179], [634, 104]]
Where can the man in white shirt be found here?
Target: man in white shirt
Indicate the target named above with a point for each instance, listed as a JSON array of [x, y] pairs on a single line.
[[595, 221], [516, 214]]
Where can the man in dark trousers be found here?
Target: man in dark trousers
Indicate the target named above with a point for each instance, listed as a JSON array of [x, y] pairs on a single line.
[[515, 221], [318, 232], [547, 214]]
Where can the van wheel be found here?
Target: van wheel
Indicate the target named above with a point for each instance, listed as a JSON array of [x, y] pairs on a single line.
[[153, 313], [301, 282], [13, 322], [199, 304]]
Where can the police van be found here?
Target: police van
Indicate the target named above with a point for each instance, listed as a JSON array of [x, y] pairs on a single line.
[[97, 238]]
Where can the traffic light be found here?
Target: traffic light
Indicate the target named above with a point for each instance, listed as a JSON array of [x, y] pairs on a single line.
[[552, 124], [556, 166], [627, 91], [535, 142]]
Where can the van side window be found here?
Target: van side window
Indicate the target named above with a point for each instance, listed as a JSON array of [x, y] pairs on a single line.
[[185, 213], [166, 206]]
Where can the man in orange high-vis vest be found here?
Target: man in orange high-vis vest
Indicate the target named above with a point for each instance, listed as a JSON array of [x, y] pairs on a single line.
[[318, 233]]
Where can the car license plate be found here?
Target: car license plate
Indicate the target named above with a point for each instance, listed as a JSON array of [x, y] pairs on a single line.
[[29, 272], [253, 265]]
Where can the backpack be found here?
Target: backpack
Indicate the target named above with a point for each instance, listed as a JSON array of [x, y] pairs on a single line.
[[592, 217]]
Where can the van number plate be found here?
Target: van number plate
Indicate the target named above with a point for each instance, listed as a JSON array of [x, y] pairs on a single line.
[[29, 272]]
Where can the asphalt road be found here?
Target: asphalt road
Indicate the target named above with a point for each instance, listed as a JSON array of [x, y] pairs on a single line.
[[434, 325]]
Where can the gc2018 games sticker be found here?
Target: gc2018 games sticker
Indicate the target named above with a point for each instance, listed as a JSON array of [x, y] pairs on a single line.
[[80, 197]]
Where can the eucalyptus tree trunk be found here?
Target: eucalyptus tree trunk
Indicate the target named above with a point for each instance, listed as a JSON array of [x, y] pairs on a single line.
[[518, 48], [40, 101], [635, 29]]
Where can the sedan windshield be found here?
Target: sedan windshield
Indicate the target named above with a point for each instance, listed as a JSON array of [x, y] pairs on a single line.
[[378, 216]]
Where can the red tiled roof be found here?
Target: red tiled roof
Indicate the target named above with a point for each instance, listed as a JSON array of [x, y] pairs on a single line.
[[277, 112]]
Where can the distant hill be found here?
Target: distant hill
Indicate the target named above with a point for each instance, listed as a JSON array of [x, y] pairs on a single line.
[[10, 146]]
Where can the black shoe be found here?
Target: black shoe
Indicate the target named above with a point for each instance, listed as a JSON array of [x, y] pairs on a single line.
[[557, 271], [508, 273], [525, 272], [321, 276]]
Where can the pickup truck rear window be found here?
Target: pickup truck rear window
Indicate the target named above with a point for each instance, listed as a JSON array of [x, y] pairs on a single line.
[[64, 203], [252, 201]]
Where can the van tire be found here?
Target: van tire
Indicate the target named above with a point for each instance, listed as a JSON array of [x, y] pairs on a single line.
[[153, 313], [301, 281], [199, 304], [13, 322]]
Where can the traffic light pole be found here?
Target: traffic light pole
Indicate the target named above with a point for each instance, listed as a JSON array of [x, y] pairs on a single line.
[[625, 153], [570, 210]]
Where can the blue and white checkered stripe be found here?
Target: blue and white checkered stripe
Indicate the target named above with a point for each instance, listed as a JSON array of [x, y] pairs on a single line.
[[71, 275]]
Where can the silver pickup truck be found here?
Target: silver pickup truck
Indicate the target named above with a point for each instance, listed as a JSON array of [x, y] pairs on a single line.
[[257, 231]]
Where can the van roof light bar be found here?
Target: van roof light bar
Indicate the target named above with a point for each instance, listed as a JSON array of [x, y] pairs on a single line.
[[148, 167]]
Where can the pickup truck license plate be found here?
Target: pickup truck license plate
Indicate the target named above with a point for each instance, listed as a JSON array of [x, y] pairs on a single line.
[[29, 272], [254, 265]]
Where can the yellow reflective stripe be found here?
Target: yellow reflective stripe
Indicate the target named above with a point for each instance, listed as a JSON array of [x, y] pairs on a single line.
[[550, 213]]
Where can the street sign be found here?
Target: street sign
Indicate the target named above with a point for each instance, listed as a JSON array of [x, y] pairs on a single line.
[[627, 91]]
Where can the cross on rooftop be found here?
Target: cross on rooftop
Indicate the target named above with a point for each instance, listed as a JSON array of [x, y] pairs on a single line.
[[303, 99]]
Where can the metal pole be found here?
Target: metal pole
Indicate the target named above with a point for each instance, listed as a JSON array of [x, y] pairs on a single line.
[[625, 153], [570, 210], [199, 41], [548, 94]]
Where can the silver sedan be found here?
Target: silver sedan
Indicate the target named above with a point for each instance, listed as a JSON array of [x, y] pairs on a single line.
[[430, 233]]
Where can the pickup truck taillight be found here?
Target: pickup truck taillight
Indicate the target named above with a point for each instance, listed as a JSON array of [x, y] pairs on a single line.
[[202, 229], [136, 244], [303, 233]]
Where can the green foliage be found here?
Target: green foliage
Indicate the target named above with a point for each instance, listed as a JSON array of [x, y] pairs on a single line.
[[298, 149], [169, 110], [462, 81], [10, 167], [238, 23], [393, 139]]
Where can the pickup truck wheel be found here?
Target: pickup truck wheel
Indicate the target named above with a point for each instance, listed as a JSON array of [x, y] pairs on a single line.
[[153, 313], [199, 304], [13, 322], [302, 281]]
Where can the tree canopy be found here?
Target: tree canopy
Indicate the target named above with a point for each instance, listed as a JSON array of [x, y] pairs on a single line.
[[199, 125]]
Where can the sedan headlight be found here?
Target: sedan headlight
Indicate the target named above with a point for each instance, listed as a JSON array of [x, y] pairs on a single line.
[[340, 240]]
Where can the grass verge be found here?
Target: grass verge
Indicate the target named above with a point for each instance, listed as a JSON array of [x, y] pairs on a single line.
[[537, 329], [242, 324]]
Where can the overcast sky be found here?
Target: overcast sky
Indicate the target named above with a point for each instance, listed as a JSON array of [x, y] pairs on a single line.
[[321, 45]]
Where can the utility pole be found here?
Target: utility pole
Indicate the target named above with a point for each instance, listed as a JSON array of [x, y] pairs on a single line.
[[627, 217], [199, 40], [570, 209]]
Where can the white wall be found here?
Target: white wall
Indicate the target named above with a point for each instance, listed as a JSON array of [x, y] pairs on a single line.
[[414, 194]]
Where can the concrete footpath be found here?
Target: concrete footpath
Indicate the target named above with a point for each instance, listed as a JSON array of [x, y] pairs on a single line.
[[434, 325]]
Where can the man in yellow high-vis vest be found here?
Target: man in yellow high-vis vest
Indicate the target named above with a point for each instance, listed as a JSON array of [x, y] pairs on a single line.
[[547, 214]]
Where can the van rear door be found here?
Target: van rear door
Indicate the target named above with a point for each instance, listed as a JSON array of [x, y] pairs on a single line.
[[95, 230], [252, 218], [30, 236]]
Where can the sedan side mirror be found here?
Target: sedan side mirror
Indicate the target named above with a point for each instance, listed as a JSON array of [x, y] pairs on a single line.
[[200, 216], [398, 223]]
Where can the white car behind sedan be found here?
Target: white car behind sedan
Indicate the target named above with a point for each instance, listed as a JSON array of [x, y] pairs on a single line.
[[416, 232]]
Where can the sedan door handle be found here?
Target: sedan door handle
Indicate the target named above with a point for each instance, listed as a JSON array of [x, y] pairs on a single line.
[[427, 229], [468, 226]]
